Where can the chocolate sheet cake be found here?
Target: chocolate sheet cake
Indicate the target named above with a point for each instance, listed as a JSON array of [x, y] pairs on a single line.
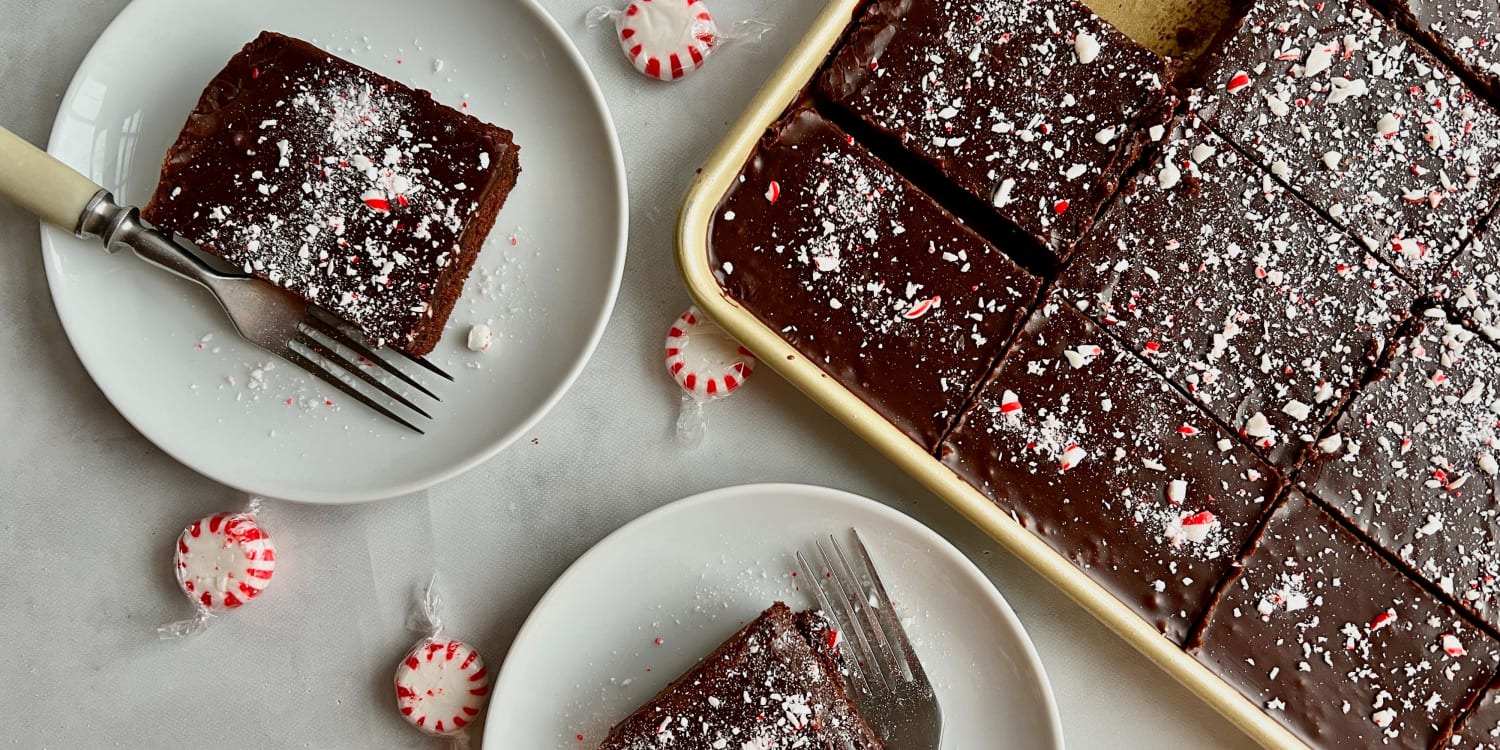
[[865, 275], [1336, 643], [1362, 122], [1413, 462], [1238, 291], [1035, 108], [1099, 457], [767, 686], [349, 189]]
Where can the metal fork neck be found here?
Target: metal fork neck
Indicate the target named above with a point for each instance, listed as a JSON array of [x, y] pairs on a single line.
[[121, 227]]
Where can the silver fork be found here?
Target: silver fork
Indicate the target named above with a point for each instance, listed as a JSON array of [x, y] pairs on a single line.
[[301, 333], [885, 679]]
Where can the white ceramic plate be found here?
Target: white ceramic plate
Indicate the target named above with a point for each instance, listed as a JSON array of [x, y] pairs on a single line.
[[692, 573], [545, 282]]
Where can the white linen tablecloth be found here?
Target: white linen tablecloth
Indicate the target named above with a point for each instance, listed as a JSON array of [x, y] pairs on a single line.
[[88, 508]]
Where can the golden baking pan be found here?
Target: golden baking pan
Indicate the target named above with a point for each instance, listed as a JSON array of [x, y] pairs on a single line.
[[1166, 26]]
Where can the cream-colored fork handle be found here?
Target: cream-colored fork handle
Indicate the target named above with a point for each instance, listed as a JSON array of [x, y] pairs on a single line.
[[52, 190]]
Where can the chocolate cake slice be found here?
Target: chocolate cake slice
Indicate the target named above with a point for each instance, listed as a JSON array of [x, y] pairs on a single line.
[[1337, 644], [1479, 729], [1033, 108], [766, 687], [1413, 462], [866, 275], [351, 190], [1465, 33], [1107, 463], [1362, 122]]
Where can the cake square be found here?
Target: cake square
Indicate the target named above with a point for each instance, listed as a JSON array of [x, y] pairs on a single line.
[[1471, 286], [1463, 32], [865, 275], [768, 686], [1238, 292], [1362, 122], [1034, 108], [1337, 644], [1107, 463], [351, 190], [1480, 728], [1413, 462]]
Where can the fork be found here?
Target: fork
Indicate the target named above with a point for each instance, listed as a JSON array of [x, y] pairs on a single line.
[[885, 679], [302, 333]]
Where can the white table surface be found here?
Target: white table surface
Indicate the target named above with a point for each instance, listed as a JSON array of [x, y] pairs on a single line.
[[88, 508]]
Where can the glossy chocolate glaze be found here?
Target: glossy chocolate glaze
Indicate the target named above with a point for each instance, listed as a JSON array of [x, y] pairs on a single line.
[[1035, 108], [766, 684], [1415, 462], [1336, 643], [350, 189], [1238, 292], [1362, 122], [865, 275], [1109, 465]]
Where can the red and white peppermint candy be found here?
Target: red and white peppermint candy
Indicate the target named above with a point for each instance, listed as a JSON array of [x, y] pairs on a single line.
[[704, 360], [224, 560], [667, 39], [441, 685]]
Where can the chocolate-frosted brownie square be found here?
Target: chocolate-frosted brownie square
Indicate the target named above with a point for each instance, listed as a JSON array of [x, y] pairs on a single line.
[[1238, 291], [865, 275], [1337, 644], [1362, 122], [1471, 285], [351, 190], [768, 686], [1413, 461], [1466, 33], [1109, 465], [1036, 108], [1480, 728]]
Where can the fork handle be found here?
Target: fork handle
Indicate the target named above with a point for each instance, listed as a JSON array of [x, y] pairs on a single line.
[[41, 184]]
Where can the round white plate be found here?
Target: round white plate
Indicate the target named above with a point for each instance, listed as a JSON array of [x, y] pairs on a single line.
[[692, 573], [545, 282]]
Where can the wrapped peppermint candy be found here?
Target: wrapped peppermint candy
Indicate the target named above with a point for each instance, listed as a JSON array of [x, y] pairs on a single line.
[[707, 364], [222, 561], [670, 39], [442, 683]]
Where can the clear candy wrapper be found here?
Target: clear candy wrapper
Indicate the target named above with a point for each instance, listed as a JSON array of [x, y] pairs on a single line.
[[442, 683], [670, 39], [222, 562], [707, 364]]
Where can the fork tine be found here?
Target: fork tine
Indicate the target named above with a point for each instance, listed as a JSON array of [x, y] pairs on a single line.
[[913, 665], [332, 331], [422, 361], [354, 369], [818, 593], [893, 661], [334, 320], [316, 370], [850, 604]]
